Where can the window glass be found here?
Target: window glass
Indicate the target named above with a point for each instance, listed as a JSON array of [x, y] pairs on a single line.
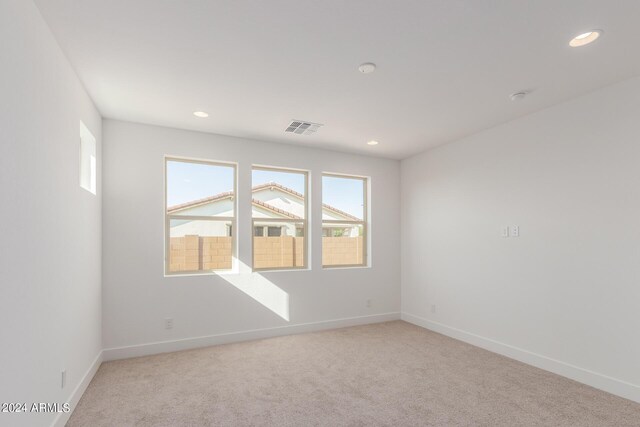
[[202, 189], [200, 216], [199, 245], [279, 211], [279, 246], [344, 194], [88, 160], [344, 206], [282, 190]]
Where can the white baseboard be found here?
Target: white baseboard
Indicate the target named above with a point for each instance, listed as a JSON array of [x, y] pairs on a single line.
[[603, 382], [77, 393], [190, 343]]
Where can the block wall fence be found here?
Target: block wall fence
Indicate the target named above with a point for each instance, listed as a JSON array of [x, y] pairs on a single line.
[[195, 253]]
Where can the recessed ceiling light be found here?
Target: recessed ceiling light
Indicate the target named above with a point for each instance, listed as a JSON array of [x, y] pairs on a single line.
[[372, 142], [201, 114], [367, 68], [585, 38]]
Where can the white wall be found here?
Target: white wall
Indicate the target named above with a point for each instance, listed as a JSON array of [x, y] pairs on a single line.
[[137, 297], [568, 288], [50, 253]]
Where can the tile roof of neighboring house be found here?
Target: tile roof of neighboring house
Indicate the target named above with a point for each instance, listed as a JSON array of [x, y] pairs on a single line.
[[229, 194], [198, 202], [274, 209], [340, 212], [279, 186], [295, 193]]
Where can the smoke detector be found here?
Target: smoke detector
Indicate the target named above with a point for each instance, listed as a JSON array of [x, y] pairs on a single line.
[[367, 68], [302, 127], [518, 96]]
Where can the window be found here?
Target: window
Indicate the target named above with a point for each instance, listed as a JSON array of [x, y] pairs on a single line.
[[200, 216], [88, 163], [344, 228], [279, 212], [259, 231]]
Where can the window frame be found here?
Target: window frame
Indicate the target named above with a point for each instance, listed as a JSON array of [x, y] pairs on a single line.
[[168, 217], [304, 221], [364, 222]]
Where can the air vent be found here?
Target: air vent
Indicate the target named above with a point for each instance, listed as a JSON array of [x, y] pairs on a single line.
[[302, 128]]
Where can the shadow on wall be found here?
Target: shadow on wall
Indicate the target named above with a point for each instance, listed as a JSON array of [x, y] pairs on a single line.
[[259, 288]]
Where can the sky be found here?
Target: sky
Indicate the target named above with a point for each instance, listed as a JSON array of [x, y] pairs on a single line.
[[191, 181], [346, 194], [294, 181]]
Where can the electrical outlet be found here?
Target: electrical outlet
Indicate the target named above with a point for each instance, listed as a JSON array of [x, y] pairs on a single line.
[[515, 231], [368, 303], [168, 323], [63, 378], [433, 308]]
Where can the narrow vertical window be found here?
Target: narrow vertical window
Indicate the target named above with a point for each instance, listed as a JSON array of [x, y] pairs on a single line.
[[200, 216], [344, 226], [279, 212], [88, 162]]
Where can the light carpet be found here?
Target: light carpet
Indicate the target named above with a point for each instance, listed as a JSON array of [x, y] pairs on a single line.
[[386, 374]]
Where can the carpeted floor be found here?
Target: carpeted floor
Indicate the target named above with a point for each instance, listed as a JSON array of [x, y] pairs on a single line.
[[392, 374]]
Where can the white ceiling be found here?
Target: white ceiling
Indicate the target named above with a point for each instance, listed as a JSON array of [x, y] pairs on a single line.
[[445, 68]]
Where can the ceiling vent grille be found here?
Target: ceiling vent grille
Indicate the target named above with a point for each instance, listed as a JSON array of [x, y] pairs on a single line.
[[302, 128]]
